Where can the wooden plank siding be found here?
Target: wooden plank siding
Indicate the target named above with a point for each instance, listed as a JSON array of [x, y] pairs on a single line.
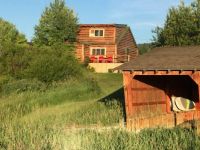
[[109, 34], [127, 41], [79, 51], [110, 49], [147, 97], [116, 39]]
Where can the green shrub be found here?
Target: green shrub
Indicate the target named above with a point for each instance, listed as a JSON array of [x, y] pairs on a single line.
[[86, 61], [13, 60], [4, 79], [91, 69], [49, 65], [21, 86], [110, 70]]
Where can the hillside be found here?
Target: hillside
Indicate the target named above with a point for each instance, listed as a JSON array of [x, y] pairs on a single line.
[[30, 119], [71, 115]]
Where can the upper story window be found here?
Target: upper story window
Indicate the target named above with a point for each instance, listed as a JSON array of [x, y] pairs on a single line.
[[96, 32]]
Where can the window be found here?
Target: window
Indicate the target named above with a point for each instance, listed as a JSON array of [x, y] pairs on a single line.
[[127, 51], [98, 51], [96, 32]]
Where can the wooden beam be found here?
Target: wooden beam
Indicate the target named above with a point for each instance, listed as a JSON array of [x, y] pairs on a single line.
[[166, 72], [148, 103], [127, 80], [196, 77], [144, 88], [168, 105], [180, 71], [155, 72], [83, 53], [143, 71]]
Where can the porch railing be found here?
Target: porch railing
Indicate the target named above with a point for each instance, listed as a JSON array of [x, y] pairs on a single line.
[[109, 59]]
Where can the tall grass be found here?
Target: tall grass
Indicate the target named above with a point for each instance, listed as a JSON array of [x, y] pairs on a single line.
[[150, 139], [70, 115], [36, 119]]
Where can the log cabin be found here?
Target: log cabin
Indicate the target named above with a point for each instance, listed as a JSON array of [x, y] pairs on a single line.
[[105, 45], [153, 79]]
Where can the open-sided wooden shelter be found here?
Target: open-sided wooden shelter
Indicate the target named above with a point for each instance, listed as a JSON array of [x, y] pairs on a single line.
[[152, 79]]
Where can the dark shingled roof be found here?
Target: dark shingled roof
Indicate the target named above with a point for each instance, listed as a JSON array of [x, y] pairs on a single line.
[[166, 58], [102, 25]]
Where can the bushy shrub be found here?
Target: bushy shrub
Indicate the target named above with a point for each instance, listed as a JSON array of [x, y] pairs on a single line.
[[91, 69], [14, 59], [4, 79], [86, 61], [48, 64], [21, 86]]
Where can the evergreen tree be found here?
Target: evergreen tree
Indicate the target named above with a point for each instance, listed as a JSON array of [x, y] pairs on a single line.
[[57, 25]]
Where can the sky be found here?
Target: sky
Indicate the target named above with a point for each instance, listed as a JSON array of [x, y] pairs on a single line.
[[141, 15]]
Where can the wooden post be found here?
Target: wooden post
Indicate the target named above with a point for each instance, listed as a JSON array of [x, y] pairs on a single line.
[[83, 53], [196, 78], [127, 79], [128, 58], [168, 110], [167, 95]]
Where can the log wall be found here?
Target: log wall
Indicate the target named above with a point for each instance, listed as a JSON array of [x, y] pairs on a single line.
[[147, 97], [109, 35], [126, 41]]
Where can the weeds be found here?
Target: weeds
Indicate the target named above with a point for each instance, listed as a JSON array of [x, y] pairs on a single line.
[[149, 139], [36, 119]]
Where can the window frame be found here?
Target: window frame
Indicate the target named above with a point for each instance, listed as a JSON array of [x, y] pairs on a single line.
[[96, 29], [96, 48]]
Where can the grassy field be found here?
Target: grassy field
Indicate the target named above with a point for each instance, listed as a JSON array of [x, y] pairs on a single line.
[[38, 119], [74, 115]]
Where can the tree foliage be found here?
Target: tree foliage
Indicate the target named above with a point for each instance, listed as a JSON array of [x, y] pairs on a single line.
[[50, 59], [12, 43], [144, 47], [57, 25], [49, 64], [9, 35], [182, 26]]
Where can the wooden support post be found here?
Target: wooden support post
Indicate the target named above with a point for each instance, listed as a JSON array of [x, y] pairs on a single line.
[[168, 98], [127, 77], [83, 53], [196, 78], [168, 109], [128, 58]]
